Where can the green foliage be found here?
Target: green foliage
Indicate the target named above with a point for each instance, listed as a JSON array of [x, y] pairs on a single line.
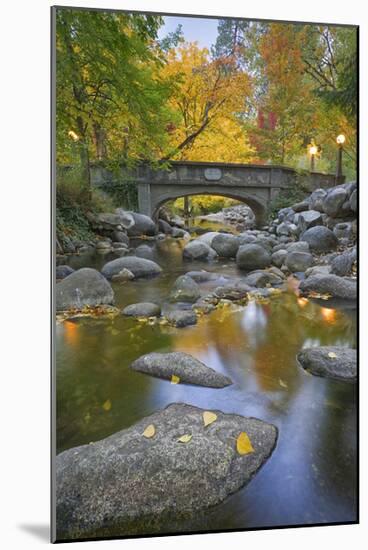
[[288, 197]]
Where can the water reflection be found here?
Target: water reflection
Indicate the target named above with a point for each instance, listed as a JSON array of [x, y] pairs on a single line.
[[311, 476]]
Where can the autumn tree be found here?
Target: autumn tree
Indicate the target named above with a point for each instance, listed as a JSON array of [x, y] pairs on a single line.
[[209, 100]]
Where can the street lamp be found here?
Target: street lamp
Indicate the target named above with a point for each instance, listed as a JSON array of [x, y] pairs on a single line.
[[313, 150], [340, 140]]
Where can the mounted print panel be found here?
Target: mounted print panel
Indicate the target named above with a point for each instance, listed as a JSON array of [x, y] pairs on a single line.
[[205, 281]]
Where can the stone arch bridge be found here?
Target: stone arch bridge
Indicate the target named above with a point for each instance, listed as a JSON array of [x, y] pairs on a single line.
[[255, 185]]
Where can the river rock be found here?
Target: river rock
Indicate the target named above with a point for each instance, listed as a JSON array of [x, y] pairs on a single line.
[[320, 239], [299, 246], [181, 318], [208, 237], [318, 270], [112, 222], [144, 251], [278, 257], [316, 200], [246, 238], [286, 214], [354, 201], [333, 202], [120, 237], [142, 224], [84, 287], [198, 250], [164, 227], [178, 233], [142, 309], [344, 230], [338, 287], [63, 271], [187, 368], [309, 218], [225, 245], [260, 279], [103, 245], [232, 291], [140, 267], [341, 265], [123, 276], [185, 289], [298, 261], [330, 361], [301, 206], [139, 484], [252, 256]]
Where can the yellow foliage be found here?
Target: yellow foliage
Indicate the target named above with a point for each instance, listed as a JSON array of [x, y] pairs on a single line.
[[185, 438], [243, 444], [175, 379], [209, 417], [149, 431]]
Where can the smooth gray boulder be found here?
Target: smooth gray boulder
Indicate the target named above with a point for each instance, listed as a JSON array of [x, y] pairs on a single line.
[[316, 199], [318, 270], [330, 361], [225, 245], [141, 224], [278, 257], [252, 256], [202, 276], [63, 271], [246, 238], [309, 218], [198, 250], [140, 267], [185, 289], [142, 309], [320, 239], [144, 251], [164, 227], [180, 318], [85, 287], [260, 279], [299, 246], [187, 368], [298, 261], [286, 214], [232, 291], [338, 287], [342, 264], [139, 484], [120, 237], [301, 206], [178, 233], [354, 201], [333, 202], [208, 237]]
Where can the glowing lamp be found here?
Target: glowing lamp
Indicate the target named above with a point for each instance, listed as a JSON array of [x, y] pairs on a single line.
[[340, 140]]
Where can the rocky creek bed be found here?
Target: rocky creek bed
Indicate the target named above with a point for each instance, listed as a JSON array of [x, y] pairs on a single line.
[[230, 301]]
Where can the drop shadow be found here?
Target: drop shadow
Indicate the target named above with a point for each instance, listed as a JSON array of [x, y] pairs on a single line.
[[41, 532]]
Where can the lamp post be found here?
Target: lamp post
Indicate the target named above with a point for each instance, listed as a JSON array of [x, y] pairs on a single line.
[[340, 140], [312, 151]]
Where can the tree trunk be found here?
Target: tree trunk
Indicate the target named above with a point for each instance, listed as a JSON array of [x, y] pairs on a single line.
[[84, 158]]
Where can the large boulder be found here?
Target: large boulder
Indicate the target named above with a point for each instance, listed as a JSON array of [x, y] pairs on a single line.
[[141, 224], [139, 484], [309, 218], [341, 265], [278, 258], [333, 202], [111, 222], [164, 227], [225, 245], [252, 256], [142, 309], [208, 237], [298, 261], [338, 287], [316, 200], [185, 289], [140, 267], [320, 239], [330, 361], [144, 251], [198, 250], [85, 287], [353, 201], [187, 368], [299, 246], [180, 318]]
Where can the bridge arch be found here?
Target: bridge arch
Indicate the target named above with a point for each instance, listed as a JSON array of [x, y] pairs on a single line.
[[257, 205]]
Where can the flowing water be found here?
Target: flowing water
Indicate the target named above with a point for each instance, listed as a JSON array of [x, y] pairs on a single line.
[[311, 476]]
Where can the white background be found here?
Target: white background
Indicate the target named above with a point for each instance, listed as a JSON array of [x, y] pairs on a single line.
[[24, 287]]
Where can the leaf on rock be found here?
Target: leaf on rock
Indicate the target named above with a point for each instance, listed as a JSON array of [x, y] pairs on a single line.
[[107, 405], [175, 379], [149, 431], [209, 417], [282, 383], [243, 444], [332, 355], [185, 438]]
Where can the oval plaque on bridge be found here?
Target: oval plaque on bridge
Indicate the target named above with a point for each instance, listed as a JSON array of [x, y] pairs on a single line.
[[212, 174]]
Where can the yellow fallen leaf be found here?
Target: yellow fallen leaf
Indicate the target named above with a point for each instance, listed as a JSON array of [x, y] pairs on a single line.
[[209, 417], [107, 405], [243, 444], [175, 379], [332, 355], [282, 383], [185, 438], [149, 431]]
